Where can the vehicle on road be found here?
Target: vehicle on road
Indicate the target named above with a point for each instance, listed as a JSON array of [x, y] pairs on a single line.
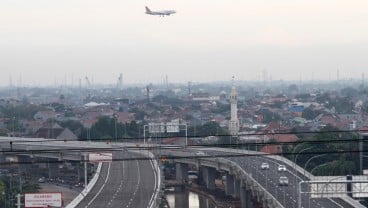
[[265, 166], [281, 168], [200, 153], [283, 181]]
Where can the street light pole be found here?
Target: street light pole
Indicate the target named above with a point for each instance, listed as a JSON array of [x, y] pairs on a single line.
[[295, 172], [318, 166], [310, 159], [116, 137]]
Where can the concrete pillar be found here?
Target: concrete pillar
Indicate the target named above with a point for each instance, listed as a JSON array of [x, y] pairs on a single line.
[[25, 167], [182, 199], [209, 175], [229, 188], [181, 171], [249, 203], [53, 169], [203, 202], [243, 196], [237, 184], [80, 172], [2, 157]]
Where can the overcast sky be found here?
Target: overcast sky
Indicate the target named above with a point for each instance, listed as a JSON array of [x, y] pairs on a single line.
[[46, 42]]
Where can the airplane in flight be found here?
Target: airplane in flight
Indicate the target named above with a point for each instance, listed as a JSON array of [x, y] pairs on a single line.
[[161, 13]]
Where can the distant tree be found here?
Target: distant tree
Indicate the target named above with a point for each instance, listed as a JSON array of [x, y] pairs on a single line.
[[277, 104], [133, 129], [293, 88], [349, 92], [2, 190], [221, 108], [75, 126], [23, 111], [58, 107], [269, 116], [104, 128], [331, 141], [303, 97], [138, 114], [310, 114], [207, 129]]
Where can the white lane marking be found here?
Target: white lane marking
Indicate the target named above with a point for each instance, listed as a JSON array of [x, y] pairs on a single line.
[[154, 188], [335, 202], [102, 187]]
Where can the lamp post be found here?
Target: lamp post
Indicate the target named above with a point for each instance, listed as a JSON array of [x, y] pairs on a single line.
[[318, 166], [310, 159], [295, 172], [115, 118], [4, 196], [296, 157]]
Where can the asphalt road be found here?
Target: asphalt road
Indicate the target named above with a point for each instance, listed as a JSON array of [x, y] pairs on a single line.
[[269, 179], [124, 183]]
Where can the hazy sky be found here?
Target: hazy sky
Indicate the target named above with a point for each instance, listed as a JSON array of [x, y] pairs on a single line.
[[50, 41]]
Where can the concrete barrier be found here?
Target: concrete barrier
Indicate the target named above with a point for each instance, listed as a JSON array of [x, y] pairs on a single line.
[[87, 189]]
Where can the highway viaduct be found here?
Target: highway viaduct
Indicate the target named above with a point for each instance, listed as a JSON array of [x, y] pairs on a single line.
[[245, 179]]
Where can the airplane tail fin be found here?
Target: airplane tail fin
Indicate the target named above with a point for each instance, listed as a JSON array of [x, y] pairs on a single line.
[[147, 10]]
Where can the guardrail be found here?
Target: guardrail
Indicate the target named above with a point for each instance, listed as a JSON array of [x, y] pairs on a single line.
[[237, 169], [268, 196], [87, 189], [156, 168]]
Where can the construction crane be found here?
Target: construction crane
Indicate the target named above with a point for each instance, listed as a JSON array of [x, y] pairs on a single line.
[[88, 82], [119, 84], [148, 90]]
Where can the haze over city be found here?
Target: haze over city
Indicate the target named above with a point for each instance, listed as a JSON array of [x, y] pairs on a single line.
[[48, 42]]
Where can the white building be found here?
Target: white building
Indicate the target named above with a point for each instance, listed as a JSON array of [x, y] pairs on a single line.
[[234, 121]]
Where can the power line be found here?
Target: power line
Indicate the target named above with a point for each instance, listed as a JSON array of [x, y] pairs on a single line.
[[200, 136], [155, 146], [169, 157]]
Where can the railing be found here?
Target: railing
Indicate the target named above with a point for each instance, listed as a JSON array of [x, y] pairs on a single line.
[[157, 171], [87, 189]]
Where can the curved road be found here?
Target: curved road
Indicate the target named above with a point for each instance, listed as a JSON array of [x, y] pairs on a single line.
[[123, 183], [269, 179]]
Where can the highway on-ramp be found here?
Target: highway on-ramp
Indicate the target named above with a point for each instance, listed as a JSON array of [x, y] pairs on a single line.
[[126, 182]]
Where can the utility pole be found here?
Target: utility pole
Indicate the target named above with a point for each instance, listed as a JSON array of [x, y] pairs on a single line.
[[18, 201]]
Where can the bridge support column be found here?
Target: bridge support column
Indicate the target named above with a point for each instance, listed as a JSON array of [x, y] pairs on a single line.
[[2, 157], [26, 167], [229, 188], [182, 199], [203, 202], [53, 169], [209, 175], [80, 172], [245, 197], [237, 184], [181, 171], [249, 199]]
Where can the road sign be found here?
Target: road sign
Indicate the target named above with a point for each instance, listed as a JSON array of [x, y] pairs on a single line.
[[42, 200], [100, 157]]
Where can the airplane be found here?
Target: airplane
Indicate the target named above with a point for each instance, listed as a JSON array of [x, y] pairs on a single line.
[[161, 13]]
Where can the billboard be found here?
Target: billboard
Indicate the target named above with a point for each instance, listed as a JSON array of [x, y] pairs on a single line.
[[155, 128], [328, 186], [42, 200], [360, 186], [100, 157], [172, 128]]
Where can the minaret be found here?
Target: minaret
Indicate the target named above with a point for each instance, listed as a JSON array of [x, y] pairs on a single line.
[[234, 122]]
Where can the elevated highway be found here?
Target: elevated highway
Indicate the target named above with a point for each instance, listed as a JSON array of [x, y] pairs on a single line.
[[253, 185], [124, 182], [134, 182]]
